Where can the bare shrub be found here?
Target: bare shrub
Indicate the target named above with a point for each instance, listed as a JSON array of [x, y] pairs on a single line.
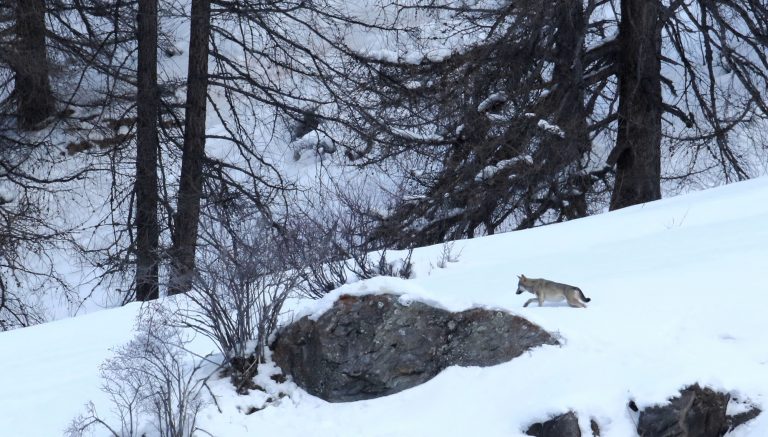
[[152, 386], [317, 256], [447, 255], [369, 265], [242, 282], [333, 246]]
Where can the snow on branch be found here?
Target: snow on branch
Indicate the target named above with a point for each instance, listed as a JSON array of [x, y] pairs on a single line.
[[490, 170], [492, 100], [550, 128], [410, 135]]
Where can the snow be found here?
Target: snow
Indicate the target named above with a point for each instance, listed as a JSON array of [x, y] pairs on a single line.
[[407, 290], [661, 276], [313, 140], [411, 57], [677, 290], [49, 371], [678, 296], [411, 135], [491, 100], [307, 162], [551, 128], [491, 170]]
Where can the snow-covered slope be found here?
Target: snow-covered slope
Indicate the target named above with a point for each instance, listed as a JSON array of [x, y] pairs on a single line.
[[678, 296]]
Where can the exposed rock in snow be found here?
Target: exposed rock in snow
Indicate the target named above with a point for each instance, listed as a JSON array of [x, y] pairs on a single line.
[[697, 412], [564, 425], [375, 345], [742, 417]]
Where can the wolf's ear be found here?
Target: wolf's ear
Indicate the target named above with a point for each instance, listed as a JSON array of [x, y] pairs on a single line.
[[522, 277]]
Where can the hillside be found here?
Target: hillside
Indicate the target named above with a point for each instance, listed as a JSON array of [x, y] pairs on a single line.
[[677, 297]]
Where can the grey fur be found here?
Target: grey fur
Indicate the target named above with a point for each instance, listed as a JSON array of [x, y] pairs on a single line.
[[550, 291]]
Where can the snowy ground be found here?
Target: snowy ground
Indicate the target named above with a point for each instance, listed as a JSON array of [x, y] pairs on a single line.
[[678, 296]]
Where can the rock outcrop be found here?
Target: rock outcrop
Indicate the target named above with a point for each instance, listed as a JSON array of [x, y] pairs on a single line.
[[564, 425], [697, 412], [375, 345]]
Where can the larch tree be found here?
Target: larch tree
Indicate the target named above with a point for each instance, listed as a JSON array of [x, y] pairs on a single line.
[[147, 147], [29, 61], [556, 110], [637, 154], [187, 216]]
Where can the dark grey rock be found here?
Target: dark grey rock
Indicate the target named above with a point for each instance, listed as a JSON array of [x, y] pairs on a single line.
[[697, 412], [564, 425], [594, 427], [742, 418], [370, 346]]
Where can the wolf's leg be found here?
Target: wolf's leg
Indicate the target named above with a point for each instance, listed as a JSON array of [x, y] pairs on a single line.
[[574, 302], [577, 304], [530, 301]]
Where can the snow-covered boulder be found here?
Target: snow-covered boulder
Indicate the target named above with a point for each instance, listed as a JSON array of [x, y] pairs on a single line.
[[375, 345]]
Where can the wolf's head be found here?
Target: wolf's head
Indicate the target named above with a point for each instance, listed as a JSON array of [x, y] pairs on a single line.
[[522, 285]]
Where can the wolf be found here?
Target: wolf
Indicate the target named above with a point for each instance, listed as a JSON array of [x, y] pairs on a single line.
[[546, 290]]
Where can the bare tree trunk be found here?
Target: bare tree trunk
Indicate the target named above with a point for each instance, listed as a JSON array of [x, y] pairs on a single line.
[[147, 145], [638, 146], [191, 183], [30, 64], [568, 75]]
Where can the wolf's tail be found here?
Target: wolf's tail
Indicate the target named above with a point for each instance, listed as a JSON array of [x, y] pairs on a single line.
[[584, 298]]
